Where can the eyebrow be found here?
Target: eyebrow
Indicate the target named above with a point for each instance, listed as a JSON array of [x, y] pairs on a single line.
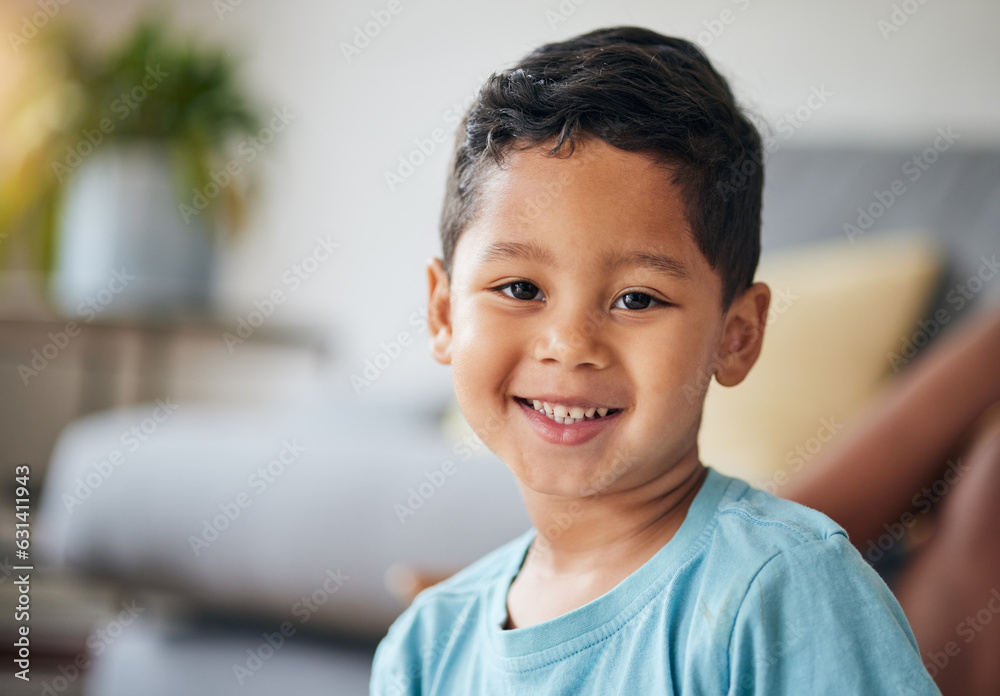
[[507, 251], [660, 263], [610, 261]]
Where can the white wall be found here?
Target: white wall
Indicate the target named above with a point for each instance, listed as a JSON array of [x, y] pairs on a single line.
[[353, 120]]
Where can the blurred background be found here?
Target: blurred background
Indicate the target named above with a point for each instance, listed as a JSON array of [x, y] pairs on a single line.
[[214, 218]]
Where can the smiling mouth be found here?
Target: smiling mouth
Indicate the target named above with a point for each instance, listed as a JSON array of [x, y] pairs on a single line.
[[567, 415]]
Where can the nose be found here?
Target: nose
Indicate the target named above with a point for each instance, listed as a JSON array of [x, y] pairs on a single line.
[[573, 337]]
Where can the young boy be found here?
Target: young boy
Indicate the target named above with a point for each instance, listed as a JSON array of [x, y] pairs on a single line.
[[601, 230]]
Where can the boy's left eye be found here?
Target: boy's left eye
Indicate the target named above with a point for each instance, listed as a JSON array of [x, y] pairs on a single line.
[[635, 300]]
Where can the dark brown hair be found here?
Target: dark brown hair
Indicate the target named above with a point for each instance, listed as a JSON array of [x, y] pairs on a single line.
[[638, 91]]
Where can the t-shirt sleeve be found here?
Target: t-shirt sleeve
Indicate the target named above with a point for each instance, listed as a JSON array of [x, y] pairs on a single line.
[[409, 660], [818, 620], [396, 668]]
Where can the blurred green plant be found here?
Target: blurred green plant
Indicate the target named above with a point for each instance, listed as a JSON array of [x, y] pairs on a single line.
[[150, 89]]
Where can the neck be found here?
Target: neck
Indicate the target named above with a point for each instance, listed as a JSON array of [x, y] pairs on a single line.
[[617, 529]]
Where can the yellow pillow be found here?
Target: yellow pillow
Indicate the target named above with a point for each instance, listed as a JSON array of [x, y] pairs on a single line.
[[838, 312]]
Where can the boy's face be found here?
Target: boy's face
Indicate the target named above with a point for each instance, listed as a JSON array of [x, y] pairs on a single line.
[[579, 284]]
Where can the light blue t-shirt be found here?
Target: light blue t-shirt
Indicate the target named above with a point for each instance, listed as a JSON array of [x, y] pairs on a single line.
[[753, 595]]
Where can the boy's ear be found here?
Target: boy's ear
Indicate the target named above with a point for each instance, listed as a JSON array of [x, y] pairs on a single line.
[[742, 335], [439, 311]]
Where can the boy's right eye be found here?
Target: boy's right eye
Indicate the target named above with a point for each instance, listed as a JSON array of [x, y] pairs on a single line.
[[521, 290]]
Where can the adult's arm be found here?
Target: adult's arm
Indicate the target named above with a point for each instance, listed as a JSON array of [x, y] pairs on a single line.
[[870, 474]]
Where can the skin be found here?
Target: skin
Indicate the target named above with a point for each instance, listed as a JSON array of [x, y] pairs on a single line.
[[534, 309]]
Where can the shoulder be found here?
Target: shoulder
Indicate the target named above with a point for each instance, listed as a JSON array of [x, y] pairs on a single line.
[[781, 542], [750, 535], [791, 552], [750, 527], [806, 605], [756, 513], [817, 614]]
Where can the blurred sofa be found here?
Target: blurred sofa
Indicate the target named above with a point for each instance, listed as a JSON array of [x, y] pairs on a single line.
[[275, 526], [264, 543]]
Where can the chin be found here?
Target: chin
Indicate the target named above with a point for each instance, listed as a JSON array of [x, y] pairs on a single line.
[[563, 479]]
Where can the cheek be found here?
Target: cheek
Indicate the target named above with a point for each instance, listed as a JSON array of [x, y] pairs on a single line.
[[484, 355], [477, 340], [681, 369]]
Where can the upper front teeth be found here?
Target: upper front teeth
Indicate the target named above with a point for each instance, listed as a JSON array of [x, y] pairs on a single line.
[[567, 415]]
